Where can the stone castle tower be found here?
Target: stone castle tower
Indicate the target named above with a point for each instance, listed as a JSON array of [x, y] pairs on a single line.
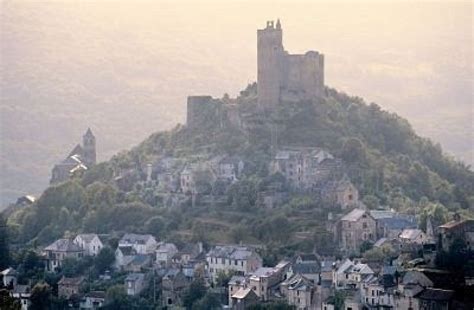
[[282, 76], [88, 146]]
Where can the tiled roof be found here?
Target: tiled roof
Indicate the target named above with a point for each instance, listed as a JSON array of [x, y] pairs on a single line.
[[96, 294], [410, 234], [242, 293], [127, 250], [306, 268], [135, 277], [9, 272], [231, 252], [87, 237]]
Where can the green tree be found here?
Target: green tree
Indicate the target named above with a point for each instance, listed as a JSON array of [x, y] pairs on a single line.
[[40, 296], [116, 298], [7, 302], [194, 292], [104, 259]]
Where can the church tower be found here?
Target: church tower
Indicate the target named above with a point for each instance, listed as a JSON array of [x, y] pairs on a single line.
[[88, 146], [270, 55]]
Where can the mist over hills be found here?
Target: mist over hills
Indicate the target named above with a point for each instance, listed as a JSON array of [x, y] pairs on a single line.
[[125, 70]]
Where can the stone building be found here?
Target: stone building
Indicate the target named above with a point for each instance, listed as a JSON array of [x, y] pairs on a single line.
[[456, 229], [242, 260], [282, 76], [356, 227], [59, 250], [68, 287], [79, 159]]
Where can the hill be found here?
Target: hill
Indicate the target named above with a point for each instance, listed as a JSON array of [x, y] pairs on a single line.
[[389, 164], [68, 65]]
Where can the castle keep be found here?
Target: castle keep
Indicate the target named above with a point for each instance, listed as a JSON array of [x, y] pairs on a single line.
[[282, 76]]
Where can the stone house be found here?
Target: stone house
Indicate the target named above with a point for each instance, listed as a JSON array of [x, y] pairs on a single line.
[[300, 292], [235, 284], [457, 229], [340, 193], [173, 285], [90, 243], [186, 180], [230, 168], [240, 259], [350, 274], [190, 254], [436, 299], [165, 253], [356, 227], [142, 244], [59, 250], [135, 283], [68, 287]]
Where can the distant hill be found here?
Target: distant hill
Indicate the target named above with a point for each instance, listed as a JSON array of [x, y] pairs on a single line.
[[384, 157], [125, 70]]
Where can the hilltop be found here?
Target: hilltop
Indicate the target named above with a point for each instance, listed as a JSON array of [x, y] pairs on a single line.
[[385, 159]]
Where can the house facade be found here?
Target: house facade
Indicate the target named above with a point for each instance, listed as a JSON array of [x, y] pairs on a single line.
[[240, 259], [142, 244], [59, 250], [356, 227], [90, 243]]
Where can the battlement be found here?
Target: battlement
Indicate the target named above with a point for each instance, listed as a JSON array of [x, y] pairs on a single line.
[[282, 76]]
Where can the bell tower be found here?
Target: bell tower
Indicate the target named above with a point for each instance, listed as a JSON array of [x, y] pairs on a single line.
[[270, 54], [88, 146]]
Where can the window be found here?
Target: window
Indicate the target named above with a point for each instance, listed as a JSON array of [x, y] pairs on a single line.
[[364, 225], [223, 261], [235, 262], [350, 197], [242, 263]]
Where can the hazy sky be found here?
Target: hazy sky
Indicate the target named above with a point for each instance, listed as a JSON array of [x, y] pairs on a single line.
[[125, 68]]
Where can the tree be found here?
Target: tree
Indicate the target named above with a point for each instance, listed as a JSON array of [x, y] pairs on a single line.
[[365, 246], [40, 296], [372, 202], [117, 298], [104, 259], [208, 302], [194, 292], [7, 302], [4, 248]]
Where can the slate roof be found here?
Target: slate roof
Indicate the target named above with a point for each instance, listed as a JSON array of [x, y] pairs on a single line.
[[140, 260], [397, 223], [435, 294], [234, 280], [135, 277], [135, 238], [264, 272], [231, 252], [63, 245], [300, 283], [306, 268], [21, 289], [382, 214], [354, 215], [454, 224], [166, 247]]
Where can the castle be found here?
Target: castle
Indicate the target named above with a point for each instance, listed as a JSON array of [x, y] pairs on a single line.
[[282, 76], [79, 159]]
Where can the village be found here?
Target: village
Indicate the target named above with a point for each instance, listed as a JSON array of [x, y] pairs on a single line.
[[397, 271]]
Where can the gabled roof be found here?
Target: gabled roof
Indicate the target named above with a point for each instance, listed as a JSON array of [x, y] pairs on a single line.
[[63, 245], [89, 133], [416, 277], [237, 280], [454, 224], [95, 294], [87, 237], [140, 260], [166, 247], [397, 223], [300, 283], [354, 215]]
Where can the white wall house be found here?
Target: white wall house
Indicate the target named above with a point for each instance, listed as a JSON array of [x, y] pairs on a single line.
[[134, 283], [165, 253], [90, 243], [240, 259]]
